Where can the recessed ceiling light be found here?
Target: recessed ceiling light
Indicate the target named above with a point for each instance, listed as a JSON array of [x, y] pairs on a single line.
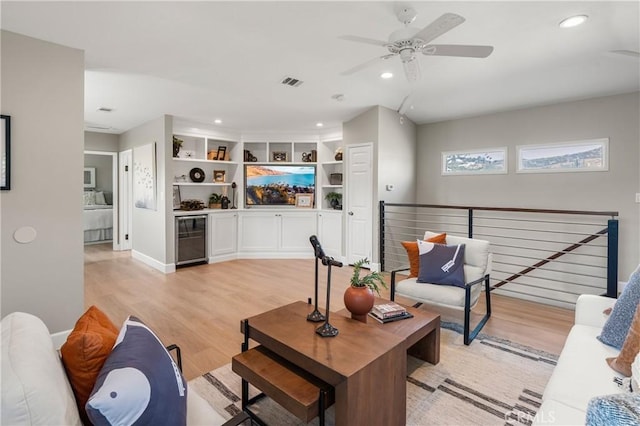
[[217, 121], [386, 75], [573, 21], [319, 124]]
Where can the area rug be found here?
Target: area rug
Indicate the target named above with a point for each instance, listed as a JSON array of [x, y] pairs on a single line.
[[490, 382]]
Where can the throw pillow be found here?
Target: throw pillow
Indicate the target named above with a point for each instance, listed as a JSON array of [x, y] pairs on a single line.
[[630, 348], [412, 252], [85, 351], [635, 375], [100, 200], [617, 326], [139, 382], [89, 198], [441, 264], [617, 409]]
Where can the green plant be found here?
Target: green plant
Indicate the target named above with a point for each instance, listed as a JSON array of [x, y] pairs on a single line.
[[370, 280], [215, 198], [331, 196]]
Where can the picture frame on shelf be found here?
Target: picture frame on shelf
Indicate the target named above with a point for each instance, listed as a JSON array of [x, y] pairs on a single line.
[[279, 156], [176, 197], [222, 153], [219, 176], [304, 200], [5, 152]]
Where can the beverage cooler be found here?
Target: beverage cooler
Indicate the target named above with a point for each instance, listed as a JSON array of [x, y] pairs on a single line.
[[191, 239]]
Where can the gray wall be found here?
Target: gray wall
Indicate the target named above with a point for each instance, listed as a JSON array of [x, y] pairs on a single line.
[[151, 229], [613, 117], [394, 147], [43, 92], [104, 170], [94, 141]]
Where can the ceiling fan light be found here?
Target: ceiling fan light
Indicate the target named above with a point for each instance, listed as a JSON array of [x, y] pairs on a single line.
[[573, 21]]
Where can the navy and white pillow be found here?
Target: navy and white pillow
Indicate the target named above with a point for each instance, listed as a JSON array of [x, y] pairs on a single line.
[[441, 264], [139, 382], [617, 326]]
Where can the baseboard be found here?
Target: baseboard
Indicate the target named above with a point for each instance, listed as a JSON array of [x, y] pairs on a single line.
[[223, 258], [281, 255], [147, 260]]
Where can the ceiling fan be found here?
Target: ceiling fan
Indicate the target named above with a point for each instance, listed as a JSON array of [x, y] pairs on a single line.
[[409, 41]]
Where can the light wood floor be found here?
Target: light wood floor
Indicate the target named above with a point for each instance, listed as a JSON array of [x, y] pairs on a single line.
[[200, 308]]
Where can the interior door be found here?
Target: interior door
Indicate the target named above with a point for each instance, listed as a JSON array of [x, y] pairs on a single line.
[[126, 198], [359, 206]]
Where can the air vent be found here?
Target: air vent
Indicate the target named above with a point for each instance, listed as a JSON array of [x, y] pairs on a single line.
[[105, 109], [290, 81]]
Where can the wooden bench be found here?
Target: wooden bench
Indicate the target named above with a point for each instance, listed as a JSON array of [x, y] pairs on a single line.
[[302, 394]]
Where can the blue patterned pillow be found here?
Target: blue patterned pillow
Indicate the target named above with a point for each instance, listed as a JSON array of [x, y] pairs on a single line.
[[617, 326], [618, 409], [441, 264], [139, 382]]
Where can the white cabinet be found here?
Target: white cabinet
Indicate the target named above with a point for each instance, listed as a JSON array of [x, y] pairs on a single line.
[[330, 232], [280, 234], [223, 236]]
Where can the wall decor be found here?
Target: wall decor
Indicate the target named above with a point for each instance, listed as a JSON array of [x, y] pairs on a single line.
[[144, 176], [5, 152], [218, 176], [471, 162], [304, 200], [590, 155], [89, 177], [222, 153]]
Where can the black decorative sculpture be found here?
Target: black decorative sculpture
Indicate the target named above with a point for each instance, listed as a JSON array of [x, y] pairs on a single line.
[[233, 195], [326, 329]]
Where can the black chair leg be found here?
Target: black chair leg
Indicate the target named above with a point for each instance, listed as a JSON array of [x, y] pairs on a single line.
[[470, 335]]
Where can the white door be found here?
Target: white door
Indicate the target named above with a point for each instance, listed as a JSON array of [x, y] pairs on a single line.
[[126, 198], [359, 205]]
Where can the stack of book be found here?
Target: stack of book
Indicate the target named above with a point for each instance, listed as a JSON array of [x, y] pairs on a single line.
[[388, 312]]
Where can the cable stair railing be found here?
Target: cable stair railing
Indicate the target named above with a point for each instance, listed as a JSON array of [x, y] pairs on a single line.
[[549, 256]]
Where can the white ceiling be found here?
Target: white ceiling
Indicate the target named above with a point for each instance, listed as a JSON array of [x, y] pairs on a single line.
[[206, 60]]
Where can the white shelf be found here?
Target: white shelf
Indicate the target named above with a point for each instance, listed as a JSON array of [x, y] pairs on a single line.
[[196, 160], [332, 162], [201, 184], [332, 186]]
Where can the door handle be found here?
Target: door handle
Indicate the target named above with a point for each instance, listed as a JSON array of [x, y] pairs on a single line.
[[350, 213]]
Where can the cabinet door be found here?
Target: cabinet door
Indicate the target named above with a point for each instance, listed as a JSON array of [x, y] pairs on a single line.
[[259, 232], [296, 229], [223, 230], [330, 233]]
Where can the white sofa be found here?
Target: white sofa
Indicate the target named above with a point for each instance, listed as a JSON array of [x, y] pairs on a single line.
[[582, 371], [35, 390]]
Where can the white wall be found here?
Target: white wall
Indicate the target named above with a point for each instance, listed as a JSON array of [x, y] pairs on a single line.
[[104, 170], [94, 141], [152, 229], [43, 91], [613, 117]]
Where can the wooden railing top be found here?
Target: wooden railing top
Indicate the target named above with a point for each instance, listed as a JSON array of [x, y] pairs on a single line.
[[507, 209]]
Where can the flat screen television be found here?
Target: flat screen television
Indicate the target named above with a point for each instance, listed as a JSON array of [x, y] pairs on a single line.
[[267, 185]]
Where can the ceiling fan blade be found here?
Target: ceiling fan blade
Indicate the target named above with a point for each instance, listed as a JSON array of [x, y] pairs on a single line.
[[367, 64], [366, 40], [463, 50], [446, 22], [405, 105], [631, 53]]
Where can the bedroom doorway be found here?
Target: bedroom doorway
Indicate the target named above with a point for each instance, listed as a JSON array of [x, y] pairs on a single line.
[[101, 198]]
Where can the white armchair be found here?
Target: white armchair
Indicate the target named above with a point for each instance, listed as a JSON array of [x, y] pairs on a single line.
[[477, 267]]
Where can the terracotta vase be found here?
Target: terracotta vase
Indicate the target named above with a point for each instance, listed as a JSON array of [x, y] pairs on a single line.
[[359, 301]]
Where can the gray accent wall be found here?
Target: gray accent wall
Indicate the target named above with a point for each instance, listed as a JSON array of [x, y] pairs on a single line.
[[95, 141], [42, 86], [613, 117], [104, 170]]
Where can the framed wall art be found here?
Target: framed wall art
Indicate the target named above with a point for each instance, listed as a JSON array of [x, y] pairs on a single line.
[[5, 152], [219, 176], [473, 162], [304, 200], [144, 176], [89, 177], [578, 156]]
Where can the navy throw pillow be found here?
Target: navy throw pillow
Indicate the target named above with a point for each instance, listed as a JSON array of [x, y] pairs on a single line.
[[441, 264], [617, 326], [139, 384]]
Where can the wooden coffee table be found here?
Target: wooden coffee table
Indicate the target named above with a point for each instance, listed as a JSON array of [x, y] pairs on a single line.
[[421, 333], [366, 363]]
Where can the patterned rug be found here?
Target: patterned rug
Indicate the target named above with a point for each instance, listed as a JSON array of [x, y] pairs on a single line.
[[490, 382]]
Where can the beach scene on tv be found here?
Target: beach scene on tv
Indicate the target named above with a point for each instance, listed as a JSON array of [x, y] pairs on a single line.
[[277, 185]]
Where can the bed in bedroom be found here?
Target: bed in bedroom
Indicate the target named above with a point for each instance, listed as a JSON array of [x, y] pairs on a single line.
[[98, 217]]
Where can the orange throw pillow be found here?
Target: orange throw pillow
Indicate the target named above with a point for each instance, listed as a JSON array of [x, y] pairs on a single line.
[[414, 257], [84, 353], [630, 348]]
